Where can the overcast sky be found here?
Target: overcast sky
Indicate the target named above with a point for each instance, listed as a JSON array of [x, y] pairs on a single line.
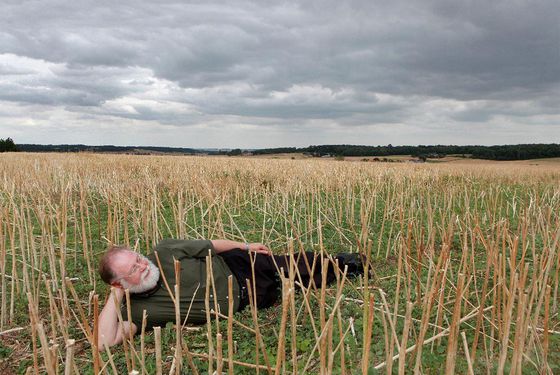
[[280, 73]]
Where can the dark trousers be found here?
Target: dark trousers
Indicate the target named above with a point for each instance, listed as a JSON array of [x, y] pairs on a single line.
[[267, 280]]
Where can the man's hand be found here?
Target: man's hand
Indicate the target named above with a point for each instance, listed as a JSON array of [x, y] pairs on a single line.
[[259, 248]]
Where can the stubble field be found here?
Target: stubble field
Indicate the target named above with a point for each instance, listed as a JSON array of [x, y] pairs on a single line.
[[464, 263]]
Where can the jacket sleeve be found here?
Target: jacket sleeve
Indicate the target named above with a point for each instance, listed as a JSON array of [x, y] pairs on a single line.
[[186, 248]]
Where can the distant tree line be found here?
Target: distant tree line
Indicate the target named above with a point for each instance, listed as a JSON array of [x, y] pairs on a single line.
[[8, 145], [281, 150], [107, 148], [505, 152]]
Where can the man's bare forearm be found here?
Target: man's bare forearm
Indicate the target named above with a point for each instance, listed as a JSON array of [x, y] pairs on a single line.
[[109, 321], [226, 245]]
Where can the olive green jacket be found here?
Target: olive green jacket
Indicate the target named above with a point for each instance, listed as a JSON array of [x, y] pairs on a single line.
[[192, 256]]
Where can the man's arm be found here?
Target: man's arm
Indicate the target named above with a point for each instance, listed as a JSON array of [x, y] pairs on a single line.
[[226, 245], [110, 332]]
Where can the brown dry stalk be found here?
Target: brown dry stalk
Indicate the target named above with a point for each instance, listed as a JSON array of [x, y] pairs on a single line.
[[367, 335], [404, 339], [545, 331], [130, 339], [178, 335], [280, 353], [85, 324], [230, 325], [467, 356], [96, 358], [235, 362], [443, 333], [454, 328], [157, 342], [258, 337], [324, 332], [49, 365], [322, 319], [69, 362], [142, 342], [111, 360], [388, 347], [506, 326], [219, 353], [431, 294]]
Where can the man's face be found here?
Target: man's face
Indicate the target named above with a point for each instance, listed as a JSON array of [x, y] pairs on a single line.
[[134, 271]]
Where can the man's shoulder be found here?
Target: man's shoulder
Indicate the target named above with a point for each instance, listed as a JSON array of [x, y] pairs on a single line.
[[173, 244]]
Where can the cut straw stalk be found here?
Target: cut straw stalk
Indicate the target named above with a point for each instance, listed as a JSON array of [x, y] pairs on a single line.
[[443, 333], [33, 318], [404, 339], [235, 362], [111, 360], [467, 356], [233, 320], [454, 329], [142, 343], [280, 353], [96, 358], [219, 354], [252, 291], [69, 362], [178, 337], [128, 342], [336, 306], [50, 367], [544, 367], [388, 348], [157, 341], [230, 325], [209, 333], [293, 315], [322, 306], [506, 327], [429, 301], [367, 336]]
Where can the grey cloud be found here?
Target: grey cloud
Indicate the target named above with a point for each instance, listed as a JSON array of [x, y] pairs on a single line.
[[486, 110], [57, 84], [245, 59], [299, 103], [460, 51]]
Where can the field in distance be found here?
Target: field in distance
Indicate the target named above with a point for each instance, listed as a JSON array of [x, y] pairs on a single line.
[[457, 159]]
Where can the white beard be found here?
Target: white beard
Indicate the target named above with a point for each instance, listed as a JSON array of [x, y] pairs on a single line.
[[148, 281]]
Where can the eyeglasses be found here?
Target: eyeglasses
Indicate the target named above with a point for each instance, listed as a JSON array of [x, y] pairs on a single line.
[[136, 267]]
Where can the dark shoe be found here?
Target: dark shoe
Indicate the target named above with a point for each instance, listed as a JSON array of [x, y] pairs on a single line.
[[354, 263]]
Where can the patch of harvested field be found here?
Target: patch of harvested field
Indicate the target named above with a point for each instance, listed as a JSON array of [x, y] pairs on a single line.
[[464, 260]]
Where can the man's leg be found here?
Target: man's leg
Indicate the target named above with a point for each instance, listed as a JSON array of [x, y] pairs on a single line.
[[267, 284], [310, 267], [266, 281]]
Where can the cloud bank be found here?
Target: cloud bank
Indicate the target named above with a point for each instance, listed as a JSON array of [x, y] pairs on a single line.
[[265, 73]]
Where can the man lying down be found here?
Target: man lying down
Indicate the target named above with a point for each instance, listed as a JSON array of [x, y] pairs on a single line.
[[124, 268]]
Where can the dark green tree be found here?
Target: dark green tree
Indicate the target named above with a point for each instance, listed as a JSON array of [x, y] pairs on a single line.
[[235, 152], [8, 145]]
